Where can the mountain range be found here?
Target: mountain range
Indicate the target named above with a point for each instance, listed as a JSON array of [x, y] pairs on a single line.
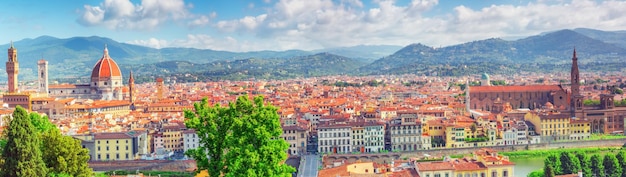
[[71, 59]]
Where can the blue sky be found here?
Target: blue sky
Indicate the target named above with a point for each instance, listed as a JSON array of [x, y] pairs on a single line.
[[238, 25]]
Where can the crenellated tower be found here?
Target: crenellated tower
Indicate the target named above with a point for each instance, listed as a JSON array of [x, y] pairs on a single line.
[[12, 67]]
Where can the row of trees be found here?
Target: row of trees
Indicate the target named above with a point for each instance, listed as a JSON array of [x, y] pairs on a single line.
[[33, 146], [609, 165]]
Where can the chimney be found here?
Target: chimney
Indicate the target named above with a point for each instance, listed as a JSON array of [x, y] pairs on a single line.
[[580, 173]]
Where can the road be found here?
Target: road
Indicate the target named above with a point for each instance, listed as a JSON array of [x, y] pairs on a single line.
[[310, 165]]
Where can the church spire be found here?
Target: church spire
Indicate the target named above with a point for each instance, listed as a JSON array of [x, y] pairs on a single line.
[[575, 97], [131, 79]]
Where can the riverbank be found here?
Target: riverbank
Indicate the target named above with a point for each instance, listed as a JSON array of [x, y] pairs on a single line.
[[541, 153]]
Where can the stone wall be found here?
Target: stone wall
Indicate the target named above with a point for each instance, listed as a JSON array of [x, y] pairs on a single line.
[[387, 157]]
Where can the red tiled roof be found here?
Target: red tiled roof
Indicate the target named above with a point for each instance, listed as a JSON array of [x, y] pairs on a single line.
[[114, 135], [434, 166], [516, 88]]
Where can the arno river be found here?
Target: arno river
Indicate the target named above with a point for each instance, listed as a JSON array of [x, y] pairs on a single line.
[[523, 166]]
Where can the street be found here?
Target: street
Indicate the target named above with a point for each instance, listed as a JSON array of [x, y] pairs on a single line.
[[310, 165]]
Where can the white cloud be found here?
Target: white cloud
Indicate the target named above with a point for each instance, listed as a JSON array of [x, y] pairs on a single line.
[[313, 24], [152, 42], [202, 20], [124, 15], [309, 24]]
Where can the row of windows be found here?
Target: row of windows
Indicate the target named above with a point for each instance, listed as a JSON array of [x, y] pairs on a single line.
[[117, 157], [107, 141], [494, 173], [117, 148], [334, 129], [403, 139], [406, 132], [328, 135]]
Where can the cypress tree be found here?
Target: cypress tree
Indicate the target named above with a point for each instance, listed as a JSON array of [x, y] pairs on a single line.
[[611, 166], [584, 163], [548, 171], [597, 168], [554, 161], [22, 154], [621, 157], [569, 163]]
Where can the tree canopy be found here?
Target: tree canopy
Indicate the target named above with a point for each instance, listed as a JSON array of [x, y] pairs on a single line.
[[22, 156], [56, 154], [241, 139]]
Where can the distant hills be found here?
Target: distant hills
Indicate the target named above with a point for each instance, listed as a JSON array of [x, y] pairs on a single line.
[[73, 58], [499, 55]]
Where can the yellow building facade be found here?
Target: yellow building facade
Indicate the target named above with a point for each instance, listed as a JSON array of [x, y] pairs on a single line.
[[113, 146], [551, 126]]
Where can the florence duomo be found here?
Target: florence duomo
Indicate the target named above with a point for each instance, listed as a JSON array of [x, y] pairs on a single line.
[[106, 85]]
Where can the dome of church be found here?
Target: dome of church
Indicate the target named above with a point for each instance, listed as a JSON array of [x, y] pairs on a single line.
[[106, 67], [485, 76]]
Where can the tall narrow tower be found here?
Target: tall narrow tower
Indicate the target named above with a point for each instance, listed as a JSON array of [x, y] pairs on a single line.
[[467, 96], [159, 85], [12, 67], [131, 87], [576, 102], [42, 70]]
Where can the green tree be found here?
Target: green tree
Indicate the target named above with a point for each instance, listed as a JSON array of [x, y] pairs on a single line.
[[22, 156], [553, 161], [242, 139], [597, 168], [569, 163], [584, 163], [612, 167], [621, 158], [64, 155], [548, 170], [536, 173], [41, 123]]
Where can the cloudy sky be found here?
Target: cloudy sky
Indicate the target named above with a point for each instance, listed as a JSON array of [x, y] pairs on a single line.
[[238, 25]]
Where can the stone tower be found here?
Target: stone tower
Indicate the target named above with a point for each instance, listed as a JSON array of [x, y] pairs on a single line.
[[12, 67], [131, 87], [159, 85], [576, 101], [467, 96], [42, 70]]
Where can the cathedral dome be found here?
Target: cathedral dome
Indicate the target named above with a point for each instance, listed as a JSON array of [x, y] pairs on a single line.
[[484, 76], [106, 67]]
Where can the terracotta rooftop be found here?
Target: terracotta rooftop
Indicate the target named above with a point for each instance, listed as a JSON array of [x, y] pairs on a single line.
[[515, 88], [106, 67]]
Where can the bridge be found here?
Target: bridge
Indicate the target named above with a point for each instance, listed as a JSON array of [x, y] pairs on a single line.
[[367, 157]]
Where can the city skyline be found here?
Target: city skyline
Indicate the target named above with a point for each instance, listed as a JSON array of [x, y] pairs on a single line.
[[288, 24]]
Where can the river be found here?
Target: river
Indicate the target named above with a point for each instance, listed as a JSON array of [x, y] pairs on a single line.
[[523, 166]]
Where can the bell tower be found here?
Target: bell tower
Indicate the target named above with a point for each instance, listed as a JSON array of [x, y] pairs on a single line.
[[131, 88], [42, 71], [12, 67], [576, 101]]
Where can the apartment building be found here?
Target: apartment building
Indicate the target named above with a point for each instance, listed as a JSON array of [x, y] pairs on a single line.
[[190, 140], [405, 132], [551, 126], [296, 135], [334, 137], [119, 145]]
